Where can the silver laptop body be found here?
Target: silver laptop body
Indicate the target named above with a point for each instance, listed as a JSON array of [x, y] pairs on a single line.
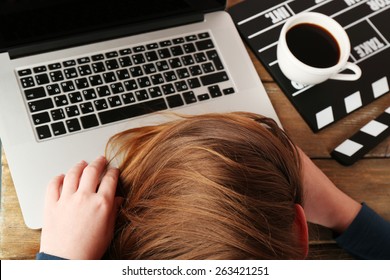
[[34, 161]]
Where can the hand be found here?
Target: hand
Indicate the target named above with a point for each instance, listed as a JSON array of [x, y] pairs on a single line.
[[80, 211], [324, 203]]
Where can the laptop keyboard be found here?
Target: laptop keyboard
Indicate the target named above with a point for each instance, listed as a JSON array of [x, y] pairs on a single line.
[[69, 96]]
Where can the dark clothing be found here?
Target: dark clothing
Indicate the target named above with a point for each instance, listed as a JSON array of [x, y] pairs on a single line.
[[368, 237], [44, 257]]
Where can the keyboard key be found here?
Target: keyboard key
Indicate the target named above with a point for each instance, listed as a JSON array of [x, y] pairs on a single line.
[[128, 98], [97, 57], [125, 61], [123, 74], [155, 92], [125, 51], [43, 132], [136, 71], [109, 77], [130, 85], [191, 38], [54, 66], [81, 83], [178, 40], [69, 63], [89, 121], [41, 118], [152, 46], [57, 114], [177, 50], [53, 89], [85, 70], [103, 91], [27, 82], [188, 60], [139, 49], [86, 108], [214, 91], [95, 80], [193, 83], [213, 55], [89, 94], [70, 73], [138, 58], [227, 91], [202, 97], [39, 69], [111, 54], [151, 56], [130, 111], [35, 93], [189, 48], [98, 67], [75, 97], [72, 111], [208, 67], [164, 53], [42, 79], [204, 45], [41, 105], [165, 43], [56, 76], [141, 95], [61, 100], [83, 60], [73, 125], [67, 86], [114, 101], [24, 72], [168, 89], [112, 64], [118, 88], [189, 97], [58, 128], [204, 35], [100, 104], [214, 78], [175, 101]]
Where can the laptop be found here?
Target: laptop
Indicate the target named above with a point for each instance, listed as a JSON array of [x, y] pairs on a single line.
[[75, 72]]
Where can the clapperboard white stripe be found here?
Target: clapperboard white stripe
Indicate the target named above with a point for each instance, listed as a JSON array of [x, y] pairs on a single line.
[[370, 135], [351, 102]]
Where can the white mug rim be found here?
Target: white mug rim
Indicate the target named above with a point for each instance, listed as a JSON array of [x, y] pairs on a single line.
[[345, 46]]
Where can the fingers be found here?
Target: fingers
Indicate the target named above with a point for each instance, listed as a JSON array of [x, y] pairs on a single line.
[[53, 191], [72, 178], [109, 183], [91, 175]]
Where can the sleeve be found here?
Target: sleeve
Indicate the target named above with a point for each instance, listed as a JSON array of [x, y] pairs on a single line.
[[44, 256], [368, 236]]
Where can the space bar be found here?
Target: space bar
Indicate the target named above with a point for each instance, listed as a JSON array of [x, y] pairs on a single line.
[[132, 111]]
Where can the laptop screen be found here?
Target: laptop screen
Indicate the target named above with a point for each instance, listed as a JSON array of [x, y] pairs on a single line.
[[24, 22]]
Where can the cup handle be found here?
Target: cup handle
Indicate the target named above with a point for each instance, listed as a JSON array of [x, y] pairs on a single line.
[[357, 72]]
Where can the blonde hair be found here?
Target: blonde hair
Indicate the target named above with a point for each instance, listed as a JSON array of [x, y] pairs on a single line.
[[215, 186]]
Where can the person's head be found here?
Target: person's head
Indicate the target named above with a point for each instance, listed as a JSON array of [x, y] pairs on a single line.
[[215, 186]]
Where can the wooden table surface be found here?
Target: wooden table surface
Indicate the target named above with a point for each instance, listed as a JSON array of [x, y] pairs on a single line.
[[367, 180]]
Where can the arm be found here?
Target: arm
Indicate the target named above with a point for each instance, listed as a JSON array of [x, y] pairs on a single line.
[[80, 211], [324, 203], [359, 230]]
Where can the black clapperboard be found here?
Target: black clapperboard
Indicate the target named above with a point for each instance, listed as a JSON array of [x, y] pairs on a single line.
[[367, 23]]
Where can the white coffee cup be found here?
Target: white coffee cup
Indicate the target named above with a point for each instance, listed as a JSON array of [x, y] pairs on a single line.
[[298, 71]]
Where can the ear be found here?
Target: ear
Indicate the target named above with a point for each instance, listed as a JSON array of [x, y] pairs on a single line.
[[301, 228]]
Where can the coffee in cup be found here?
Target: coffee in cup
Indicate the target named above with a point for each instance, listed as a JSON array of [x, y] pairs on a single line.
[[313, 48]]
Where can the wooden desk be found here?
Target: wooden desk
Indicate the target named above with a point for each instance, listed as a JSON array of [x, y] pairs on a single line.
[[368, 180]]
